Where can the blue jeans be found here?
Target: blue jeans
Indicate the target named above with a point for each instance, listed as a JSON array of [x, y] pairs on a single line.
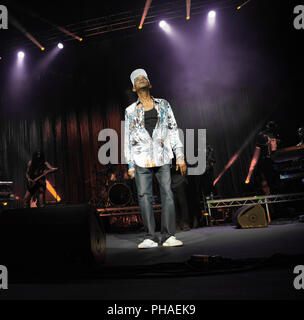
[[143, 179]]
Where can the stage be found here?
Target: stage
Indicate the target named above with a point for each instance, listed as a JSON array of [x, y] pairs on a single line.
[[226, 241], [157, 274]]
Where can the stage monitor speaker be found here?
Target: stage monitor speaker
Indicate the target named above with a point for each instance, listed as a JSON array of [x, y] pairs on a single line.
[[61, 238], [250, 216]]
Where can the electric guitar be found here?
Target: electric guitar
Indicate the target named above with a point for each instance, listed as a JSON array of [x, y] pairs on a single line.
[[33, 182]]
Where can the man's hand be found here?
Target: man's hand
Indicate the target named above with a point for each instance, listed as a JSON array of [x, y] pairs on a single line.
[[131, 172], [181, 165]]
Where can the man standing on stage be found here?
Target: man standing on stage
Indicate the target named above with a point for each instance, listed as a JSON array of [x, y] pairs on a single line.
[[151, 137]]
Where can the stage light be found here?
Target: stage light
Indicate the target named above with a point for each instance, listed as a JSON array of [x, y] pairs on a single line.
[[52, 191], [188, 5], [211, 14], [23, 30], [146, 9], [253, 163], [164, 25], [42, 48], [4, 203], [21, 55], [20, 59], [60, 45], [211, 19], [242, 5], [228, 165]]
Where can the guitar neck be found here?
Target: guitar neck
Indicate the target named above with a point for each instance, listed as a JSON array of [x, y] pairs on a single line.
[[44, 174]]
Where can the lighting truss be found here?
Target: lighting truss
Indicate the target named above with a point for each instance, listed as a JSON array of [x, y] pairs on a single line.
[[263, 200], [109, 212], [171, 9]]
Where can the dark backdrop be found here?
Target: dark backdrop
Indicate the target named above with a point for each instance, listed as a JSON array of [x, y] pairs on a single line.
[[230, 82]]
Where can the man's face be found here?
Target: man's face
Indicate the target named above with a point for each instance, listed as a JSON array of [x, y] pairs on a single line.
[[141, 82]]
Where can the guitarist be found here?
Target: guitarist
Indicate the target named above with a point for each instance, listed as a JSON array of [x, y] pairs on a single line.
[[36, 167]]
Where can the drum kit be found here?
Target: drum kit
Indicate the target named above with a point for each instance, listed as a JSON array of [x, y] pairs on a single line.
[[116, 188]]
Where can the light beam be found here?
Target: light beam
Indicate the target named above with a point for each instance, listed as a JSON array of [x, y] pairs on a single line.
[[146, 9], [188, 9]]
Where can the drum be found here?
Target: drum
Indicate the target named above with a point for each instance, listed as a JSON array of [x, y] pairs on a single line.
[[119, 194]]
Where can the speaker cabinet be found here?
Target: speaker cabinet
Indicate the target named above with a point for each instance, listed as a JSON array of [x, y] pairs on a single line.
[[58, 238], [251, 216]]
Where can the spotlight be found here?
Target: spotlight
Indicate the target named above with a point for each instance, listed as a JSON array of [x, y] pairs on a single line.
[[211, 14], [60, 45], [211, 19], [164, 25], [20, 54]]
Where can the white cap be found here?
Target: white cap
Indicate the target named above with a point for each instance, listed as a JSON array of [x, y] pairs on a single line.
[[136, 73]]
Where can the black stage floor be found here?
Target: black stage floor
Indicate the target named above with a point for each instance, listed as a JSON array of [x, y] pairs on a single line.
[[274, 282], [227, 241]]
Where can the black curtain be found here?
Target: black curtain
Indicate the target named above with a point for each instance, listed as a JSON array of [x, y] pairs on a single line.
[[230, 86]]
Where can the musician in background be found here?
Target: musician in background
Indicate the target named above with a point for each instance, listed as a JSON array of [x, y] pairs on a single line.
[[267, 143], [207, 179], [179, 185], [301, 136], [35, 168]]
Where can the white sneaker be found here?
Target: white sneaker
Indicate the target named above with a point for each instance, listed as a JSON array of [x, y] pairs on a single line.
[[147, 243], [172, 242]]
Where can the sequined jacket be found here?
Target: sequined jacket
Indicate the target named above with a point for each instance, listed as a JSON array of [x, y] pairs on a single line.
[[140, 148]]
